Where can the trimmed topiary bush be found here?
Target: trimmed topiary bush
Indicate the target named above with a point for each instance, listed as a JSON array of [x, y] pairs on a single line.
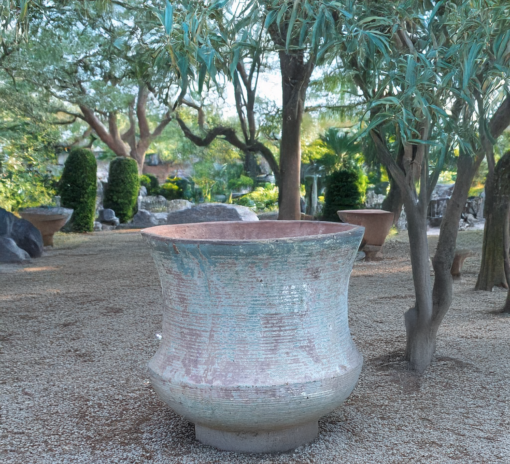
[[123, 186], [77, 189], [344, 190], [151, 183]]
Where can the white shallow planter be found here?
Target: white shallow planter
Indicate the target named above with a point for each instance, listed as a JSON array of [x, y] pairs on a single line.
[[256, 345]]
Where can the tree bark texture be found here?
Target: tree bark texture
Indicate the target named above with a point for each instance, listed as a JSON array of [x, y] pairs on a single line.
[[296, 74], [492, 269], [394, 199], [420, 332]]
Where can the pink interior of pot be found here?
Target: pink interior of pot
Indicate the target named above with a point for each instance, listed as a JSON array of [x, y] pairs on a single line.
[[240, 231]]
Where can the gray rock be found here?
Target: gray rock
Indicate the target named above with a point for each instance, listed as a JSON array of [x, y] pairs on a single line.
[[143, 191], [211, 212], [107, 216], [143, 219], [161, 217], [6, 221], [11, 253], [470, 220], [177, 205], [268, 216], [98, 226], [27, 237], [361, 255]]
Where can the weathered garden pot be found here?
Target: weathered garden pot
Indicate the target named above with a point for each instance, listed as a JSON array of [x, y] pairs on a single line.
[[256, 345], [47, 220], [377, 224]]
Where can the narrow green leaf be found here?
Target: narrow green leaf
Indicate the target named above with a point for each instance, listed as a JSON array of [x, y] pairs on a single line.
[[169, 17], [292, 21]]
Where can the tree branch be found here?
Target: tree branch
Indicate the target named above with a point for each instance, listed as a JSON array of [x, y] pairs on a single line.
[[141, 113]]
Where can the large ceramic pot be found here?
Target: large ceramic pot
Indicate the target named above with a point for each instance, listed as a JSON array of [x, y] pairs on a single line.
[[377, 224], [47, 220], [256, 345]]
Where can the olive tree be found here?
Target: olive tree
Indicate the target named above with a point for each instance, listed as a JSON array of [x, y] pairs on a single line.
[[433, 75]]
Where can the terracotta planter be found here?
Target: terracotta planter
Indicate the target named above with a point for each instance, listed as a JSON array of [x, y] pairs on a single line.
[[256, 344], [47, 220], [377, 224]]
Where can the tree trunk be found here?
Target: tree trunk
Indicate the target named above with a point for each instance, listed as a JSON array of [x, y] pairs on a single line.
[[506, 246], [295, 79], [492, 269], [421, 334], [250, 165], [395, 199]]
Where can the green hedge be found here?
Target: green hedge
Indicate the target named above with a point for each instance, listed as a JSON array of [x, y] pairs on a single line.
[[77, 188], [151, 183], [123, 186], [344, 190]]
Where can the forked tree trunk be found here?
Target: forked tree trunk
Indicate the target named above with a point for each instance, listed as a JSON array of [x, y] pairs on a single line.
[[492, 269], [423, 320], [295, 79]]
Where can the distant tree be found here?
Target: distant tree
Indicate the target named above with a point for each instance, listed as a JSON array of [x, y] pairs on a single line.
[[89, 58]]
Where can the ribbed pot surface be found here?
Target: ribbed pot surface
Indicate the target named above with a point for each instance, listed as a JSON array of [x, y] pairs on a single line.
[[255, 329]]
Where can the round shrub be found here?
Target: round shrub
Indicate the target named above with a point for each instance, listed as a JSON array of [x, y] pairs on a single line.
[[123, 186], [77, 189], [344, 190], [151, 183], [174, 188], [171, 191]]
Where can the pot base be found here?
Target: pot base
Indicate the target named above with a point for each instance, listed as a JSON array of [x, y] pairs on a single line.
[[258, 442]]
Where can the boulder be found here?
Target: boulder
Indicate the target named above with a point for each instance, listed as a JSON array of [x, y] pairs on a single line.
[[143, 219], [143, 191], [6, 221], [177, 205], [98, 226], [27, 237], [107, 216], [11, 253], [470, 219], [211, 212]]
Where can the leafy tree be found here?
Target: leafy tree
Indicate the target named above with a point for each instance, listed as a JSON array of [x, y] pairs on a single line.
[[432, 75], [28, 145], [88, 57]]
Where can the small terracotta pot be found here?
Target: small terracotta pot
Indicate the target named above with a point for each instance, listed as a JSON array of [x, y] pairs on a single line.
[[47, 220], [377, 224], [256, 345]]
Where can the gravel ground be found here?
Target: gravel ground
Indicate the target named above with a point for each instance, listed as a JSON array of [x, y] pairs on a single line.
[[79, 324]]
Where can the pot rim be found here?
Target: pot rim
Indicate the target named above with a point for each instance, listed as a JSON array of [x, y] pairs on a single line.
[[345, 229], [52, 210], [366, 211]]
